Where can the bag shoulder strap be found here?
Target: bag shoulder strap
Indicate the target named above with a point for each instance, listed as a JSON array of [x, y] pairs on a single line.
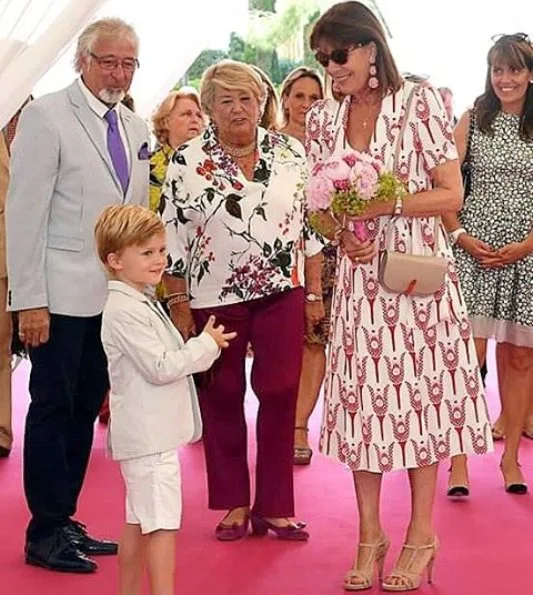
[[399, 140], [399, 143]]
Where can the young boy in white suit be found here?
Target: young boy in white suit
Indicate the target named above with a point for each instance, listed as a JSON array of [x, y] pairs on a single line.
[[154, 406]]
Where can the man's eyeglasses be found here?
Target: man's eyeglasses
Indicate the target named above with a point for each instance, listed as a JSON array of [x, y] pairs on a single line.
[[109, 63], [512, 36], [339, 56]]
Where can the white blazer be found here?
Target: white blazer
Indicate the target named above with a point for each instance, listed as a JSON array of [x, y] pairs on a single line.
[[153, 401]]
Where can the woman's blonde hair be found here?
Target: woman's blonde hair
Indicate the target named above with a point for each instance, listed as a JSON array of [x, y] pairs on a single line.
[[230, 75], [120, 226], [160, 121], [301, 72], [269, 119]]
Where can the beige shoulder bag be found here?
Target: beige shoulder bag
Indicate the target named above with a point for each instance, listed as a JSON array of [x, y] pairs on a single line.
[[407, 273]]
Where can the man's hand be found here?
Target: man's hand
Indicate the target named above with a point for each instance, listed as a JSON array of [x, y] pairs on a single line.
[[181, 316], [34, 326]]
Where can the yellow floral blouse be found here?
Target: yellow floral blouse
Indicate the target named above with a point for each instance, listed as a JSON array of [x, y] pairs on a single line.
[[158, 171]]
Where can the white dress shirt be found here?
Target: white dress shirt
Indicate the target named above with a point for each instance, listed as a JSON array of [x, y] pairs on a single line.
[[101, 109]]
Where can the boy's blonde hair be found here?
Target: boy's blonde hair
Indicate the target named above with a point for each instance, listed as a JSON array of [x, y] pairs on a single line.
[[120, 226]]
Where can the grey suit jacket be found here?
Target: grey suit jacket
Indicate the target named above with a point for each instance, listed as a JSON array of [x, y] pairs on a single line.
[[61, 180]]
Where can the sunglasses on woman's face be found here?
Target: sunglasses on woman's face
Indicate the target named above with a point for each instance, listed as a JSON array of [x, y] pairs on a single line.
[[339, 56]]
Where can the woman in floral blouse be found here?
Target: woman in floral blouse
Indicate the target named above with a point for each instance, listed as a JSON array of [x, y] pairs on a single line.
[[178, 119], [238, 249]]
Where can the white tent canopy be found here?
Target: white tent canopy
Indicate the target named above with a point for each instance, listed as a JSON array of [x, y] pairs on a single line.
[[447, 41], [36, 42]]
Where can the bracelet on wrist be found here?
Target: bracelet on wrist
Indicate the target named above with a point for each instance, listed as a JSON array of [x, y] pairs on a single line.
[[312, 298], [178, 299], [169, 296], [455, 234], [398, 206]]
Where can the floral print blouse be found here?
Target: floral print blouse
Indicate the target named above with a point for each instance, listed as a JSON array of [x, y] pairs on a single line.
[[158, 170], [233, 239]]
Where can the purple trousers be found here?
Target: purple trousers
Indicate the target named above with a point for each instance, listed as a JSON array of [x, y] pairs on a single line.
[[274, 326]]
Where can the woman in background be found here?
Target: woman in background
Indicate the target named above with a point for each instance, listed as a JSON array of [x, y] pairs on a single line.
[[269, 116], [299, 91], [493, 240], [178, 119]]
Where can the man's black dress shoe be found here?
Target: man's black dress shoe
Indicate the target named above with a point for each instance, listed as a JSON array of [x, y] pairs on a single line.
[[79, 537], [57, 552]]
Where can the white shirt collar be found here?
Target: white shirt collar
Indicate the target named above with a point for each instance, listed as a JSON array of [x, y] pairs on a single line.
[[121, 287], [98, 107]]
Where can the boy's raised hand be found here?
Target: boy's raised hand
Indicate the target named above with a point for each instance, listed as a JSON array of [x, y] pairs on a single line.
[[221, 338]]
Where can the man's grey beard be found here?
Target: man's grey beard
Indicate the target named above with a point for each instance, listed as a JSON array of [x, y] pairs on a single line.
[[111, 95]]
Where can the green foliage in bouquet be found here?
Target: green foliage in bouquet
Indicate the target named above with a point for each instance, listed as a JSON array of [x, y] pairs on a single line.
[[350, 203]]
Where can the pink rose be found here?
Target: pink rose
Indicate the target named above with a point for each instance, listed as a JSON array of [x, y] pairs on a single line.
[[337, 170], [377, 164], [342, 185], [365, 179], [319, 192], [350, 159]]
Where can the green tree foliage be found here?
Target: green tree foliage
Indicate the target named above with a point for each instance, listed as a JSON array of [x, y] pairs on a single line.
[[262, 5], [309, 57], [268, 32], [204, 60]]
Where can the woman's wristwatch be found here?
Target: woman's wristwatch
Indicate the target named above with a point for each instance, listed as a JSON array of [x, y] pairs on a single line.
[[398, 206], [454, 235], [312, 297]]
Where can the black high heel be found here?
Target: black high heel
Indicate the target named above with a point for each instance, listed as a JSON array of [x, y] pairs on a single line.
[[517, 488], [458, 490]]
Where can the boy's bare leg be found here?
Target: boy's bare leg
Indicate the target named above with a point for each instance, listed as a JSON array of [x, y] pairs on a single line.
[[131, 560], [161, 561]]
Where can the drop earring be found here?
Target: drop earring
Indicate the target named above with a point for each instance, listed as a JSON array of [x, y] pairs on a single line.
[[373, 81]]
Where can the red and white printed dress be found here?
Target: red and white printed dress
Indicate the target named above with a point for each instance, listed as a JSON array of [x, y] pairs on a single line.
[[402, 387]]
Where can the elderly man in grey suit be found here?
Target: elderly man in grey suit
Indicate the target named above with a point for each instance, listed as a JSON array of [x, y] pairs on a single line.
[[76, 152]]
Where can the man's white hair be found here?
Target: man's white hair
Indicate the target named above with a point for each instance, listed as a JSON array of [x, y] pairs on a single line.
[[110, 27]]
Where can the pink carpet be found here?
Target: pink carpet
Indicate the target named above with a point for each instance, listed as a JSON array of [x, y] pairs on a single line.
[[486, 542]]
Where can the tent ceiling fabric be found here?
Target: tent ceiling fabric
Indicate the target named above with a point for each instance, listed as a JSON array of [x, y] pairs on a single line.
[[33, 33], [172, 34]]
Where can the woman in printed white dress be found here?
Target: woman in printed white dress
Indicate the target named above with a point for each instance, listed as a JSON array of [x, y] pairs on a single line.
[[403, 389]]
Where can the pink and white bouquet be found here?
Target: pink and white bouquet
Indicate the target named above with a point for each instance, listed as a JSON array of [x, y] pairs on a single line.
[[346, 185]]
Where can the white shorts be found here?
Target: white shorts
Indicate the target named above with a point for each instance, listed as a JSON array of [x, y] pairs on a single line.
[[153, 491]]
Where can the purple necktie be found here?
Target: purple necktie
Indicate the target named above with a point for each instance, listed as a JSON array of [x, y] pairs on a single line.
[[115, 146]]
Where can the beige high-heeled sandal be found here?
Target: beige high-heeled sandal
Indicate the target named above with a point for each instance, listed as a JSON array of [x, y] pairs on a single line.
[[365, 575], [410, 581], [302, 454]]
